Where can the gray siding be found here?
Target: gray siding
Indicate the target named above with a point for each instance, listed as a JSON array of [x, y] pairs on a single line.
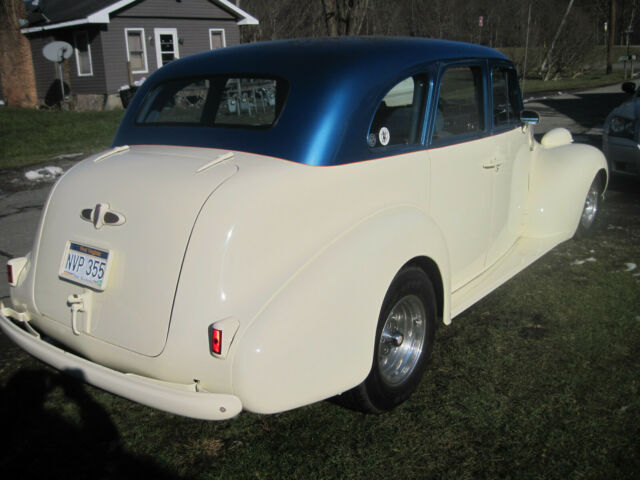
[[191, 18], [45, 70], [194, 34], [174, 9]]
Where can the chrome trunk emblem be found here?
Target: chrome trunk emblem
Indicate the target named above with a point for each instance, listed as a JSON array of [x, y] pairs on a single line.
[[101, 215]]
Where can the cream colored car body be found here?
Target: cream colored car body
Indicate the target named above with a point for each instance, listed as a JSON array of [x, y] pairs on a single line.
[[302, 281], [290, 261]]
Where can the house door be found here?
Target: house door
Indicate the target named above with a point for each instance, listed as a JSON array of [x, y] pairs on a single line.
[[166, 43]]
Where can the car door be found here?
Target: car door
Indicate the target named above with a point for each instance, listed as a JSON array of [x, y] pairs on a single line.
[[510, 174], [462, 168]]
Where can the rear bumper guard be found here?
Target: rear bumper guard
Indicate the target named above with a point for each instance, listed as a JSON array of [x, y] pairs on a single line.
[[180, 399]]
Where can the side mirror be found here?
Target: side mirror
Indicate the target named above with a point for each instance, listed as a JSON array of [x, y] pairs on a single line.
[[628, 87], [529, 117]]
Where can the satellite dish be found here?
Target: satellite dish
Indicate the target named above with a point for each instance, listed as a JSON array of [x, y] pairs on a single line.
[[57, 51]]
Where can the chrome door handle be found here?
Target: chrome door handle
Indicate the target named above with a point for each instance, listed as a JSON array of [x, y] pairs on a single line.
[[492, 165]]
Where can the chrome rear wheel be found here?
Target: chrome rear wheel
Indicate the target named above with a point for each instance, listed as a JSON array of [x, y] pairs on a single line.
[[402, 340]]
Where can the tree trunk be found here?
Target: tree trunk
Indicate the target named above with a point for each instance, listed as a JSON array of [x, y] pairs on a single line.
[[344, 17], [612, 36], [546, 65], [16, 65]]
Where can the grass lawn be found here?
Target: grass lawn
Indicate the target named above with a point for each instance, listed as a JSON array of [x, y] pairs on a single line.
[[32, 136], [589, 79], [540, 380]]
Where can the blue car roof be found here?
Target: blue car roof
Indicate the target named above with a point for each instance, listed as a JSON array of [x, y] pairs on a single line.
[[335, 87]]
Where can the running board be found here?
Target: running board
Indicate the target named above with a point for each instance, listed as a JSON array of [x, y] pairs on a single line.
[[523, 253]]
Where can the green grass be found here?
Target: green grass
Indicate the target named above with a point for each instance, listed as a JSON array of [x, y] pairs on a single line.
[[590, 79], [31, 136], [540, 380]]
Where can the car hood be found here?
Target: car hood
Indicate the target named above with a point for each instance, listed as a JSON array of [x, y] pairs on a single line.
[[629, 109], [156, 193]]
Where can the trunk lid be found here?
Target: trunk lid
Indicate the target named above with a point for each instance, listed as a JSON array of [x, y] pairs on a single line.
[[157, 193]]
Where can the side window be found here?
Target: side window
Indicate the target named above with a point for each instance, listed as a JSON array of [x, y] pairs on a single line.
[[506, 98], [398, 120], [460, 104]]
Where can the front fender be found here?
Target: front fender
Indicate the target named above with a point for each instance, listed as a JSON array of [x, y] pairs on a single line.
[[559, 181], [315, 337]]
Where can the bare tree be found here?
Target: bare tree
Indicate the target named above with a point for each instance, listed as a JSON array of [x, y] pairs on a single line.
[[283, 19], [612, 36], [344, 17], [548, 57]]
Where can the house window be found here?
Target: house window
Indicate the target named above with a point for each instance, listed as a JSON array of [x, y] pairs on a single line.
[[136, 50], [166, 43], [216, 38], [83, 54]]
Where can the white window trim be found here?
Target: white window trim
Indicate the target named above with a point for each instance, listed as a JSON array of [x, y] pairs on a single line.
[[75, 48], [144, 48], [156, 36], [224, 40]]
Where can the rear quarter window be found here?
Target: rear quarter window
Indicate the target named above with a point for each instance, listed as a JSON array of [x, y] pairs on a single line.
[[399, 117]]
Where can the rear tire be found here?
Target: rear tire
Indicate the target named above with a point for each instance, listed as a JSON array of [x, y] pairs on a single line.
[[403, 344]]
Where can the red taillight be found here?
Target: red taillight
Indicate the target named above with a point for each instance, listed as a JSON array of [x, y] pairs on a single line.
[[10, 273], [216, 341]]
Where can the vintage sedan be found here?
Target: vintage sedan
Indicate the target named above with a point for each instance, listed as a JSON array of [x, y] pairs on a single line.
[[621, 135], [280, 223]]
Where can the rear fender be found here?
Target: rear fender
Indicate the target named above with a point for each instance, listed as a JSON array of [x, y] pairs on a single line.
[[315, 337]]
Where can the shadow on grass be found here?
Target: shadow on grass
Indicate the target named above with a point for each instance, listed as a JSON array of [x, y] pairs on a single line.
[[79, 442]]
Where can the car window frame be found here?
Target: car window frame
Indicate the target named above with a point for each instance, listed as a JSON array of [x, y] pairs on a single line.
[[516, 122], [483, 65], [428, 73], [210, 124]]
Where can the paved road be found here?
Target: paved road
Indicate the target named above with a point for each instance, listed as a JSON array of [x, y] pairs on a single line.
[[582, 113]]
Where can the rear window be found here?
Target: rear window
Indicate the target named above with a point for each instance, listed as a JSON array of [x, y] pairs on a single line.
[[222, 101]]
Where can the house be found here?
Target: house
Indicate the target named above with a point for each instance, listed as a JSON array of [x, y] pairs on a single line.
[[116, 43]]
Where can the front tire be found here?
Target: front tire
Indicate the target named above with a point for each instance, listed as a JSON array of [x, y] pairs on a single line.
[[403, 343], [591, 210]]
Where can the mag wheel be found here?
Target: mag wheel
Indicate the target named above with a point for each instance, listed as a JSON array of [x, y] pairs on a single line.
[[404, 338], [590, 211]]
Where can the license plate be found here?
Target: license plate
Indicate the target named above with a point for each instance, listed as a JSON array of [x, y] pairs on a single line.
[[86, 265]]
